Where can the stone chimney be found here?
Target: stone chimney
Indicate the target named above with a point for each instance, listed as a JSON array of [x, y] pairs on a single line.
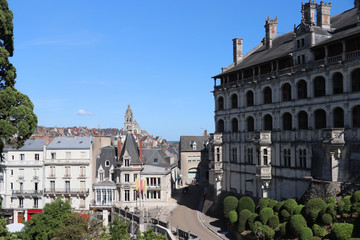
[[308, 12], [270, 30], [140, 149], [119, 149], [237, 50], [357, 3], [357, 6], [323, 15]]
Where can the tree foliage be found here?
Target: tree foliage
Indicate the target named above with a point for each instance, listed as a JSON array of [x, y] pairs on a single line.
[[150, 235], [57, 221], [17, 119], [119, 229]]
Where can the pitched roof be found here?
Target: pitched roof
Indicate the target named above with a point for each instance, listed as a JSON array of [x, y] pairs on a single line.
[[186, 143], [70, 143], [132, 148], [342, 25], [150, 154], [155, 170], [36, 144]]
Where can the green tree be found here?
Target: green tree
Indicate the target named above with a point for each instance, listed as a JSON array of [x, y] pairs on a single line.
[[57, 221], [17, 119], [150, 235], [4, 232], [119, 229]]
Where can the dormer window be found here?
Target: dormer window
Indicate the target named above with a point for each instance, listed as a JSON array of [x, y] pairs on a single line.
[[101, 176], [126, 162], [155, 161], [107, 163], [194, 146]]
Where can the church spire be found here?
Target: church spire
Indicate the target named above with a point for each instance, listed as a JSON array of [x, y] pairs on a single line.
[[129, 118]]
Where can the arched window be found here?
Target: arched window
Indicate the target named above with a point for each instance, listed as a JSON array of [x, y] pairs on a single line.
[[338, 114], [287, 121], [250, 124], [268, 122], [286, 92], [356, 116], [220, 126], [249, 99], [355, 80], [302, 89], [303, 120], [235, 125], [267, 95], [320, 119], [234, 101], [337, 81], [319, 86], [220, 102]]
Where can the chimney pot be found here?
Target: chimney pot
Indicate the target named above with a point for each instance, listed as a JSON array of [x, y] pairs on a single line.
[[270, 30], [308, 12], [323, 15], [237, 50]]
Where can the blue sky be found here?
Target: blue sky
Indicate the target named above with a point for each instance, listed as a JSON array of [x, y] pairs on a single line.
[[82, 62]]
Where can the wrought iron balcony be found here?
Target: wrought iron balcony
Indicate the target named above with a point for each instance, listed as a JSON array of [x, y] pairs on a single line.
[[27, 192], [84, 191]]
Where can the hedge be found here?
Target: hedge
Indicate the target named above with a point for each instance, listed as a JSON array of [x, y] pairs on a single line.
[[250, 221], [305, 233], [296, 222], [318, 230], [272, 203], [312, 209], [233, 217], [257, 225], [356, 197], [298, 209], [331, 200], [246, 203], [230, 203], [274, 221], [269, 233], [243, 217], [285, 215], [278, 206], [342, 231], [265, 214], [283, 228], [326, 219], [290, 205], [263, 203]]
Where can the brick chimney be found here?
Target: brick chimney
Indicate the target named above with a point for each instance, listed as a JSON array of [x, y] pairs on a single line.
[[308, 12], [140, 149], [119, 149], [323, 15], [237, 50], [270, 30]]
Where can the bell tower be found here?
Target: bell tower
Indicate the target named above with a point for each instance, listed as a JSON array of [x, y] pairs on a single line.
[[129, 119]]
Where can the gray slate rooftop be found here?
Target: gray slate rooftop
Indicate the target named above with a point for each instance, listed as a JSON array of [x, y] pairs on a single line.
[[36, 144], [187, 141], [70, 143], [131, 146]]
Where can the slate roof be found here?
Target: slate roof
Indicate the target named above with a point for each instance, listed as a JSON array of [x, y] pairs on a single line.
[[155, 170], [70, 143], [131, 146], [342, 25], [187, 141], [150, 154], [104, 184], [36, 144]]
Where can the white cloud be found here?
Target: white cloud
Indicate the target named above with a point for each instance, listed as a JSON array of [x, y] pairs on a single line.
[[83, 112]]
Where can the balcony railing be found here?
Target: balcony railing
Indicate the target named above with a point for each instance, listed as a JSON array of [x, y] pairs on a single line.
[[27, 192], [66, 191], [335, 59], [21, 177], [95, 203], [154, 186], [36, 177], [82, 176], [21, 206], [67, 176]]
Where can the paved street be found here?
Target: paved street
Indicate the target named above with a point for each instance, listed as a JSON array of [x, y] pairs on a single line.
[[186, 214]]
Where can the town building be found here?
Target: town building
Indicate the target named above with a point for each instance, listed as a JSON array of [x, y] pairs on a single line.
[[21, 180], [288, 111], [130, 124], [193, 163], [67, 171]]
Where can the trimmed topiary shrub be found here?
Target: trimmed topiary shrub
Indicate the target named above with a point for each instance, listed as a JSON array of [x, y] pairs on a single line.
[[257, 225], [274, 221], [318, 230], [263, 203], [331, 200], [230, 203], [250, 221], [278, 206], [290, 205], [243, 217], [355, 207], [316, 238], [265, 214], [298, 209], [305, 233], [283, 228], [342, 231], [285, 215], [272, 203], [296, 222], [326, 219], [330, 209], [233, 217], [269, 233], [246, 203], [312, 209], [355, 197]]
